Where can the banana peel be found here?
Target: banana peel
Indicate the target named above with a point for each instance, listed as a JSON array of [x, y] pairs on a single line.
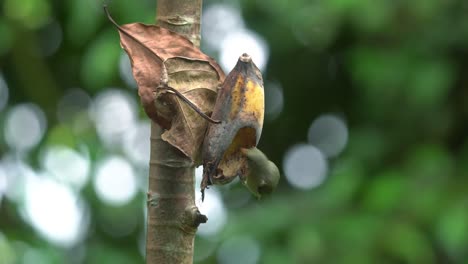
[[240, 106]]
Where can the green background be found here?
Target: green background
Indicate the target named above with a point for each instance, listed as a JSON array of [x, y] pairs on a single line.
[[395, 71]]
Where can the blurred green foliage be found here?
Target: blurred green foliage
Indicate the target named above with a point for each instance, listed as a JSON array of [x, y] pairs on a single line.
[[398, 72]]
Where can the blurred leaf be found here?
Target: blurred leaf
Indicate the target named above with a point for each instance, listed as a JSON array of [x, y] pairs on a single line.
[[367, 145], [425, 9], [204, 249], [353, 231], [276, 255], [120, 221], [104, 253], [82, 21], [380, 75], [7, 254], [267, 210], [305, 244], [61, 135], [452, 228], [372, 16], [278, 8], [31, 13], [342, 5], [343, 183], [100, 63], [136, 11], [430, 168], [463, 157], [315, 25], [405, 243], [385, 192], [6, 39], [429, 84], [429, 164], [40, 256]]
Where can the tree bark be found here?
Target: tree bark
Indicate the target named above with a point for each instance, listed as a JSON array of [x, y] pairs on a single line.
[[173, 217]]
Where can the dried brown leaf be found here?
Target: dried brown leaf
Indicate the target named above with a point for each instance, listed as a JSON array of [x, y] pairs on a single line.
[[161, 58]]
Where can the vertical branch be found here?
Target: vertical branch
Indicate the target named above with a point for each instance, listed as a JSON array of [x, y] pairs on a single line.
[[181, 16], [173, 217]]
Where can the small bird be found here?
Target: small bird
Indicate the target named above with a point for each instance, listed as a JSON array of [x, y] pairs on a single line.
[[262, 176]]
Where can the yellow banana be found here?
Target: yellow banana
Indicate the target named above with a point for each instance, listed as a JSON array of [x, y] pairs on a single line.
[[240, 106]]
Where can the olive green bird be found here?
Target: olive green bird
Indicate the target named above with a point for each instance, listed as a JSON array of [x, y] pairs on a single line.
[[262, 176]]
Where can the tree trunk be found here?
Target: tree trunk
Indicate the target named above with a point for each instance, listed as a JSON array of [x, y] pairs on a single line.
[[173, 217]]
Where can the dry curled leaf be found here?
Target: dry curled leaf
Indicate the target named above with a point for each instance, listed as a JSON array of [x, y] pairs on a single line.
[[240, 108], [162, 59]]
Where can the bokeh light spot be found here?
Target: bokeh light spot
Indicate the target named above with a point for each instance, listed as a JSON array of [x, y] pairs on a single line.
[[242, 41], [115, 182], [328, 133], [212, 207], [54, 211], [16, 172], [239, 249], [218, 20], [274, 100], [67, 165], [137, 145], [24, 127], [305, 167], [113, 112], [73, 102], [125, 68]]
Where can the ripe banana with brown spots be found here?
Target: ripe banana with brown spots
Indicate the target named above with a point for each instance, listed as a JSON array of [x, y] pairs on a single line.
[[240, 106]]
